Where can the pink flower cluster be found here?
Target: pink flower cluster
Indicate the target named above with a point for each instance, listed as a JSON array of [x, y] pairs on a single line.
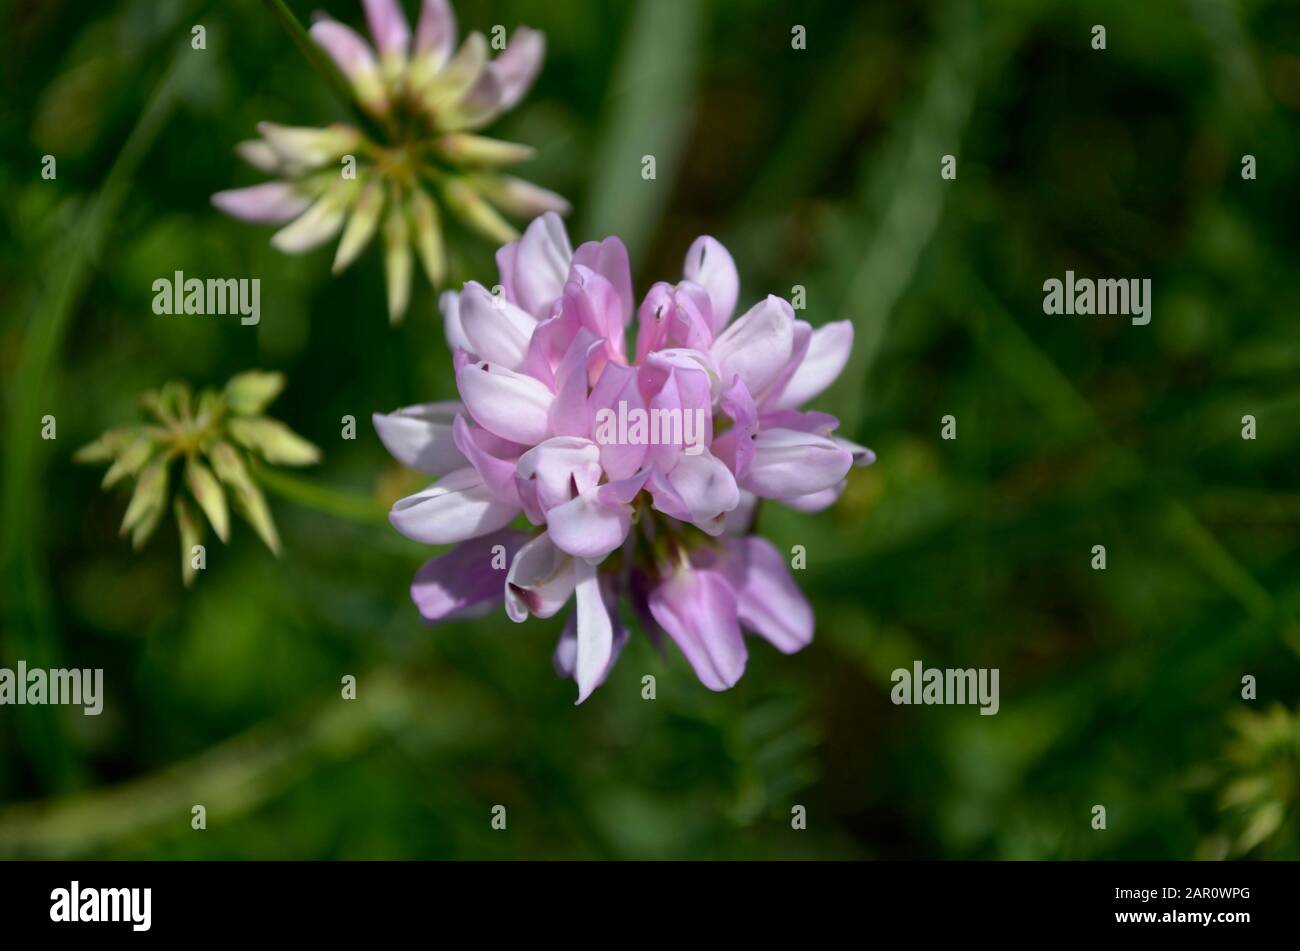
[[656, 521]]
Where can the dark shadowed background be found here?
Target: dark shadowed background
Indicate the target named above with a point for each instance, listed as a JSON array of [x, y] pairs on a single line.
[[819, 168]]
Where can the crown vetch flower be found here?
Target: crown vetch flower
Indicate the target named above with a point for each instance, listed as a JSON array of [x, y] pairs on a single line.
[[427, 99], [212, 436], [544, 374]]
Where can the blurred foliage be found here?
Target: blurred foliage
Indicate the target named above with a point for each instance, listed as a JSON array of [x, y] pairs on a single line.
[[818, 168]]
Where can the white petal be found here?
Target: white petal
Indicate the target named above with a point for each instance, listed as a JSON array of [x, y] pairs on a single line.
[[496, 329], [595, 632], [270, 203], [828, 352], [862, 456], [559, 465], [540, 580], [456, 507], [816, 501], [541, 265], [419, 437], [587, 527], [707, 487], [789, 463], [449, 304], [711, 266]]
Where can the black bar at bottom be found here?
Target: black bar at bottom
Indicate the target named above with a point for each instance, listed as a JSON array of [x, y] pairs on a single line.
[[215, 900]]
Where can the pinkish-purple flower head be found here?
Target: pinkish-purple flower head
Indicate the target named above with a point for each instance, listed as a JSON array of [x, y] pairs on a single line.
[[419, 156], [637, 469]]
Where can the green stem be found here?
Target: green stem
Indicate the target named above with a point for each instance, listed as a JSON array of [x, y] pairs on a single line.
[[339, 503]]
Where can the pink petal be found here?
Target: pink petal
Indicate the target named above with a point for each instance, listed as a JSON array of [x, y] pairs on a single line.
[[665, 498], [449, 304], [511, 405], [496, 471], [535, 268], [698, 611], [710, 265], [354, 58], [587, 527], [609, 259], [465, 578], [788, 463], [595, 631], [707, 487], [768, 602], [565, 658], [479, 105], [757, 346], [735, 447], [420, 437], [655, 370], [435, 33], [496, 329], [570, 414], [560, 468], [809, 421], [595, 304], [862, 456], [540, 580], [517, 67], [456, 507], [270, 203], [741, 519], [388, 27], [828, 352], [665, 409], [798, 350], [815, 502], [652, 319], [691, 323], [617, 384]]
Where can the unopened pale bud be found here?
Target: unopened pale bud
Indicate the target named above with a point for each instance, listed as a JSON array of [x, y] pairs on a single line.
[[249, 393]]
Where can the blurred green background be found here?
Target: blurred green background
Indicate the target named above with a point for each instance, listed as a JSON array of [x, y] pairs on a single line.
[[817, 168]]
